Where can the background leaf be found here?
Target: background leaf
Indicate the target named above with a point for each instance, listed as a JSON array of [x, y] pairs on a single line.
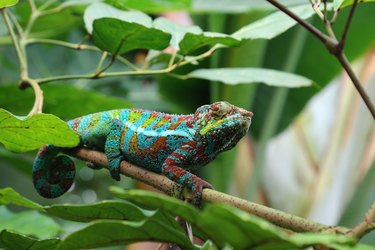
[[29, 223], [7, 3], [234, 76], [11, 240], [9, 196]]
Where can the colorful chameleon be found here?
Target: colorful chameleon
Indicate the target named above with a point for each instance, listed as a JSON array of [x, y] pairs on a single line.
[[164, 143]]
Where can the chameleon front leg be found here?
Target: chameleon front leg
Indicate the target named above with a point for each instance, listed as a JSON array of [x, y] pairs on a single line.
[[112, 148], [172, 168]]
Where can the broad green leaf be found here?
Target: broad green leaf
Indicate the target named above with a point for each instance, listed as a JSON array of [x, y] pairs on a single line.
[[274, 24], [101, 10], [11, 240], [235, 76], [155, 200], [70, 3], [339, 4], [237, 229], [152, 6], [18, 101], [176, 30], [102, 233], [21, 135], [29, 223], [191, 41], [118, 36], [116, 210], [9, 196], [7, 3]]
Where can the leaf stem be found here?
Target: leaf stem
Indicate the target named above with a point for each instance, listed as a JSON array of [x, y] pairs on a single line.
[[17, 46]]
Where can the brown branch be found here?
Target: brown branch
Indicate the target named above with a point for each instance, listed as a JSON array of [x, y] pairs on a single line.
[[38, 102], [366, 225], [164, 184]]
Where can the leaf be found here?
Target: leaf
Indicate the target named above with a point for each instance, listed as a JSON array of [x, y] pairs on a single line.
[[11, 240], [7, 3], [18, 101], [29, 223], [101, 10], [340, 4], [9, 196], [116, 210], [21, 135], [176, 30], [237, 229], [152, 6], [118, 36], [235, 76], [191, 41], [102, 233], [237, 6], [155, 200], [274, 24]]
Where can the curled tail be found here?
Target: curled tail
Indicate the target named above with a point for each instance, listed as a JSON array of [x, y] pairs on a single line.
[[52, 176]]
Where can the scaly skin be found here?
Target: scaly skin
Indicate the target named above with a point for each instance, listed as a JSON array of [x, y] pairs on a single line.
[[168, 144]]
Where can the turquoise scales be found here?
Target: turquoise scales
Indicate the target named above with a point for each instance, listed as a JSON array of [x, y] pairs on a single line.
[[163, 143]]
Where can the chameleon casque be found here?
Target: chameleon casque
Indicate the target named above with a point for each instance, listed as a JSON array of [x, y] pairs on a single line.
[[172, 145]]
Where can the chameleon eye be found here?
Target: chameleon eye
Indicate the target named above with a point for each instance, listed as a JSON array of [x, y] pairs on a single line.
[[220, 109]]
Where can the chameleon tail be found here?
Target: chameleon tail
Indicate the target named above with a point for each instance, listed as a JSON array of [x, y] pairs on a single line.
[[52, 176]]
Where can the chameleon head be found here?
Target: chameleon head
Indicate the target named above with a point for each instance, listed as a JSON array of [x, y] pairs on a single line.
[[222, 124]]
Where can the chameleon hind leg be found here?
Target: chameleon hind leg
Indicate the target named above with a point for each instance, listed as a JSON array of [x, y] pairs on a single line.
[[112, 148]]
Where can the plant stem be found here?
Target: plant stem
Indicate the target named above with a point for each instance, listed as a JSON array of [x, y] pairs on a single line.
[[164, 184], [348, 22], [15, 40]]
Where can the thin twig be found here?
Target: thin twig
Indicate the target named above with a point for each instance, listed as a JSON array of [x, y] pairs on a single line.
[[347, 25], [164, 184], [321, 36], [345, 64], [38, 103]]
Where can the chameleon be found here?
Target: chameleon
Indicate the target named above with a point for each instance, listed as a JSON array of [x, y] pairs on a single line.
[[169, 144]]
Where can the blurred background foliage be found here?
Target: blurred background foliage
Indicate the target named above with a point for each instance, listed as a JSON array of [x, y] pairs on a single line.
[[277, 164]]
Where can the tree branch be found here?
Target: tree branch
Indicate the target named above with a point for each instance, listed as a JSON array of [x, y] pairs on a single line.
[[366, 225], [334, 47], [164, 184]]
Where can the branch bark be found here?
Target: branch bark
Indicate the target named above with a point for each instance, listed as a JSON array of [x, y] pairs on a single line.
[[164, 184], [366, 225]]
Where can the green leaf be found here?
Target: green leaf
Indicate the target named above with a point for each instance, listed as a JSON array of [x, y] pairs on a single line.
[[237, 229], [29, 223], [156, 200], [235, 76], [176, 30], [118, 36], [11, 240], [7, 3], [9, 196], [116, 210], [191, 41], [102, 233], [339, 4], [101, 10], [152, 6], [18, 101], [274, 24], [21, 135]]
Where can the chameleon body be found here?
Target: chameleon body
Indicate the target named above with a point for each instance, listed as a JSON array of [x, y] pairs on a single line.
[[172, 145]]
